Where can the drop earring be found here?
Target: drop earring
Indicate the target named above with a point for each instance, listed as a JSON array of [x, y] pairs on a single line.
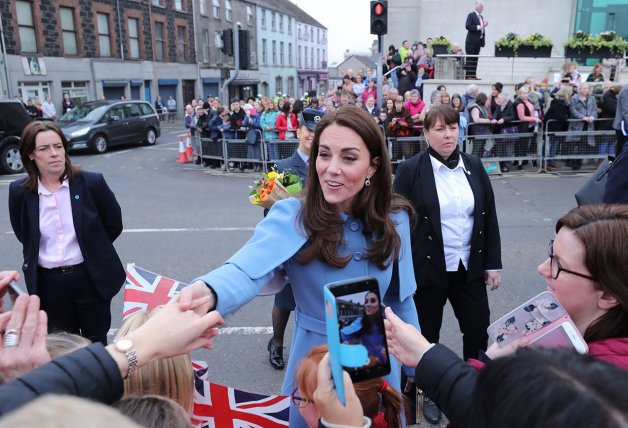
[[367, 182]]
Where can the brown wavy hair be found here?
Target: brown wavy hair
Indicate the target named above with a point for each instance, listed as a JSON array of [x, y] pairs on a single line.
[[28, 143], [373, 205], [603, 230], [368, 391]]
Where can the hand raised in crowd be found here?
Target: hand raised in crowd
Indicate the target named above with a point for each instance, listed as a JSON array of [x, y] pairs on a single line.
[[6, 276], [24, 332], [328, 403], [404, 341]]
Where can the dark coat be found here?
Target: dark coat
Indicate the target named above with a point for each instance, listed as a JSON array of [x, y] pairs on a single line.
[[608, 107], [88, 372], [474, 36], [415, 181], [97, 223], [616, 190], [558, 113], [507, 113]]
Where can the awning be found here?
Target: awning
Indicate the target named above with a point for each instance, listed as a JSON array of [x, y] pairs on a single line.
[[114, 83], [211, 80], [136, 82], [167, 82], [245, 82]]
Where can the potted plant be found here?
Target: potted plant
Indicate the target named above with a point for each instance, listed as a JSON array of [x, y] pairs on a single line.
[[534, 46], [605, 45], [507, 46], [441, 46]]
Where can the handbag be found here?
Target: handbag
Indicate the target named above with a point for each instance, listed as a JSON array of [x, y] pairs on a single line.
[[592, 192], [252, 137]]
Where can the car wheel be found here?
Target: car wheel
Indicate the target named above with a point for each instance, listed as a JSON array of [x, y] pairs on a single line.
[[99, 144], [151, 137], [10, 160]]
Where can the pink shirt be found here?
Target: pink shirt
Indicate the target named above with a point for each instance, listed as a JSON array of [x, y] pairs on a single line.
[[58, 245]]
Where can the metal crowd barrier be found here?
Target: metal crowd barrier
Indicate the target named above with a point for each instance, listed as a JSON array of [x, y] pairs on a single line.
[[577, 147], [543, 149]]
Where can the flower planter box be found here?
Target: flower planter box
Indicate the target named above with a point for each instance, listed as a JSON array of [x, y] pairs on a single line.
[[588, 53], [504, 52], [439, 50], [529, 52]]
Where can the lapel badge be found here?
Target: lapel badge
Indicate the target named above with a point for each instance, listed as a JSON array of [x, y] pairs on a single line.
[[317, 119]]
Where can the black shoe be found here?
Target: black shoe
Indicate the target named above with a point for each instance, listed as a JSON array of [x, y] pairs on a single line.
[[431, 411], [276, 355]]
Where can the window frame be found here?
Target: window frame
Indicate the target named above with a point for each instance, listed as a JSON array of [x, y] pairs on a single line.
[[23, 27], [161, 42], [68, 12], [101, 34], [132, 39]]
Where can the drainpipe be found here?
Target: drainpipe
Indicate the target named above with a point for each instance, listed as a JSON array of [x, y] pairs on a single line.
[[120, 31]]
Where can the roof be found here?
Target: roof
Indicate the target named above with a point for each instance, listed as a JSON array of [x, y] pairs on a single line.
[[290, 8], [366, 60]]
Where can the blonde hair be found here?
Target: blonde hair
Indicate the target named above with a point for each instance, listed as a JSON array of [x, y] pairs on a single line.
[[169, 377], [564, 93], [154, 411], [52, 411], [61, 343]]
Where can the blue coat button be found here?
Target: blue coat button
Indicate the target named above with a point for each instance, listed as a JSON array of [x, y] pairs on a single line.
[[354, 226], [357, 256]]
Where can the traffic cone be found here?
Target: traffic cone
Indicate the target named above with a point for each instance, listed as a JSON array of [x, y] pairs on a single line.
[[183, 158], [188, 147]]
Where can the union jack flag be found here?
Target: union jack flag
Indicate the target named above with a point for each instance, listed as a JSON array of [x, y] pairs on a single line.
[[145, 290], [218, 406]]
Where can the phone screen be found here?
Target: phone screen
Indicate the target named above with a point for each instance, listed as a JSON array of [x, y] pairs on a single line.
[[563, 335], [361, 321]]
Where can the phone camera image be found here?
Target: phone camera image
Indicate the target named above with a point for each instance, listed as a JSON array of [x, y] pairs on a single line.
[[361, 322]]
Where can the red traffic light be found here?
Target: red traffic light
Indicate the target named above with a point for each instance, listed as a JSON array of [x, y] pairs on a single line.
[[378, 9]]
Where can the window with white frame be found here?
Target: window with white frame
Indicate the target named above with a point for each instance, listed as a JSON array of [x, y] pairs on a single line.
[[178, 4], [216, 8], [318, 35], [181, 43], [290, 54], [318, 58], [160, 41], [273, 19], [264, 53], [134, 37], [281, 61], [202, 7], [249, 15], [274, 52], [298, 32], [218, 42], [278, 84], [104, 38], [228, 11], [263, 12], [280, 23], [312, 33], [300, 57], [205, 42], [26, 26], [69, 31], [289, 25]]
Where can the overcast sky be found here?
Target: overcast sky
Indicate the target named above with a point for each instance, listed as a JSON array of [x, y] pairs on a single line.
[[348, 24]]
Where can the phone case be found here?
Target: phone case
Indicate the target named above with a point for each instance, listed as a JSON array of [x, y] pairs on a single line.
[[535, 314], [562, 333]]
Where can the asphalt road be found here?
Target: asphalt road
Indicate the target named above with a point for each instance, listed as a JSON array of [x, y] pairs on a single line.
[[183, 220]]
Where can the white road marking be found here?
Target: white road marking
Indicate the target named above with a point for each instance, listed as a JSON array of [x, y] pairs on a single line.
[[225, 330], [121, 152], [188, 229]]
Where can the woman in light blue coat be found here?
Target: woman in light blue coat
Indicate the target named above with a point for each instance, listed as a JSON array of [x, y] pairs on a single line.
[[349, 224], [267, 122]]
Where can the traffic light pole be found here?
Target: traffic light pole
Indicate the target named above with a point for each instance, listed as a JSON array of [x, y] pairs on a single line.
[[236, 54], [380, 72]]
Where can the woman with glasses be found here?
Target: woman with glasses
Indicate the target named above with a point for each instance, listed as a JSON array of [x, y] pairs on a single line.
[[586, 270], [380, 402]]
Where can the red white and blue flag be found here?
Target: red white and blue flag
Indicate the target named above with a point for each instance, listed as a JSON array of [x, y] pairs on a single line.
[[219, 406], [145, 290]]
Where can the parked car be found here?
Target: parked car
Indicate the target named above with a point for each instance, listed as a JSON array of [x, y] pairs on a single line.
[[13, 119], [96, 125]]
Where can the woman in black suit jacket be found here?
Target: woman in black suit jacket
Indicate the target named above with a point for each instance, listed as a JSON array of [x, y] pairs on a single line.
[[67, 221], [456, 246]]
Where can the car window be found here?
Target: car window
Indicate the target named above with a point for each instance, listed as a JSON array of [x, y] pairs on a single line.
[[146, 108], [133, 110], [117, 111], [88, 113]]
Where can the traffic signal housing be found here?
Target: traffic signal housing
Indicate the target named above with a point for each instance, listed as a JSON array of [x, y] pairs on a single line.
[[227, 42], [379, 17], [244, 44]]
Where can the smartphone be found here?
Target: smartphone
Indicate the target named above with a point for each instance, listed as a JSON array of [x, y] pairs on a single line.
[[15, 290], [562, 334], [360, 315]]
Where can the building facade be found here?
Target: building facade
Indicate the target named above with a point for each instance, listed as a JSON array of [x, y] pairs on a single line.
[[312, 52], [276, 47]]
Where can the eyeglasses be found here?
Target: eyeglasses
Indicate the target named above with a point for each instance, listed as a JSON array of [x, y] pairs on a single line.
[[299, 401], [556, 268], [372, 300]]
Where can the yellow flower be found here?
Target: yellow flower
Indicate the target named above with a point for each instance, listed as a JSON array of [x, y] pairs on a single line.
[[272, 175]]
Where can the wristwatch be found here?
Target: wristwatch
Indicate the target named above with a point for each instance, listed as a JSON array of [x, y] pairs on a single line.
[[125, 346]]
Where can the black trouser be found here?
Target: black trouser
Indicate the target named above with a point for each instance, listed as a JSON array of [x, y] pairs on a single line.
[[469, 301], [73, 304], [471, 64]]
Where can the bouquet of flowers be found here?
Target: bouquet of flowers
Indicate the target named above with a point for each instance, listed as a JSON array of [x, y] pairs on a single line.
[[274, 186]]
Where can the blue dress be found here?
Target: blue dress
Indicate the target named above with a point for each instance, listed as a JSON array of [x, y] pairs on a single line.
[[277, 240]]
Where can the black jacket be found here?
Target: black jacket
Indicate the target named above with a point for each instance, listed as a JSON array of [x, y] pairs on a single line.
[[558, 113], [97, 223], [507, 113], [616, 190], [87, 373], [474, 36], [415, 181]]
